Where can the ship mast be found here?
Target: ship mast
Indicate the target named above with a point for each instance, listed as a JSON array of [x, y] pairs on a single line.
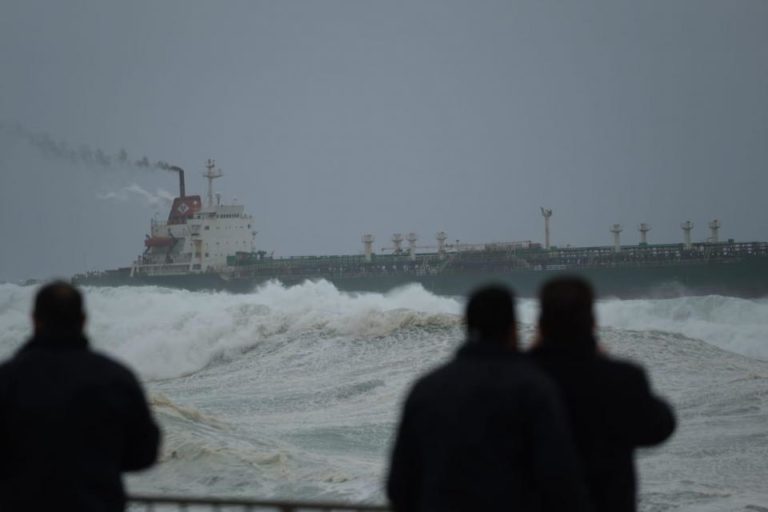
[[212, 174]]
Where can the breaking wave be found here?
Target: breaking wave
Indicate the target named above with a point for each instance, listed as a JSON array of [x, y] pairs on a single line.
[[729, 323], [166, 333]]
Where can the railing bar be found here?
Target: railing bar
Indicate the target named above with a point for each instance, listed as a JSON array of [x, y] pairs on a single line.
[[184, 503]]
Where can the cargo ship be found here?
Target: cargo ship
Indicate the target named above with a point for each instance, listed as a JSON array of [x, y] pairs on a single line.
[[207, 245]]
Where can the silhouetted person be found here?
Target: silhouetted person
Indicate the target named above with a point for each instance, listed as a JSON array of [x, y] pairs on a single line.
[[486, 431], [71, 420], [609, 402]]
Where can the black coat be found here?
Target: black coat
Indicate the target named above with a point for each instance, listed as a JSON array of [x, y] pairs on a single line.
[[71, 421], [484, 432], [612, 411]]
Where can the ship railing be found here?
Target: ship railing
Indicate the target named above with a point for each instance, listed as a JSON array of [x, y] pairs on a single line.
[[150, 503]]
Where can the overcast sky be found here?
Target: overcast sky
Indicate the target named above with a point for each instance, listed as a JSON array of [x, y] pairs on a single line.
[[331, 119]]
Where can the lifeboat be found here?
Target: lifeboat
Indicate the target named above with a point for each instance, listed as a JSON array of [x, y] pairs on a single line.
[[158, 241]]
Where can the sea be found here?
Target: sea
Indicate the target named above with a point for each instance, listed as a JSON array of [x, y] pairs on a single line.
[[294, 392]]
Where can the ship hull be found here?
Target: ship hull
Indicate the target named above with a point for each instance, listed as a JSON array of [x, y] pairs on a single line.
[[746, 278]]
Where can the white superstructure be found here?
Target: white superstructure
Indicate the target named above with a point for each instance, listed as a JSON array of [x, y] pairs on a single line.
[[196, 237]]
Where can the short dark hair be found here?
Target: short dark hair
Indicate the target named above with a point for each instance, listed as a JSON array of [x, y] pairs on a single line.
[[59, 306], [490, 313], [566, 307]]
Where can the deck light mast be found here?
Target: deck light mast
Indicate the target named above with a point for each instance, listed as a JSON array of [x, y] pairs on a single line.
[[714, 227], [397, 243], [412, 237], [616, 229], [687, 228], [441, 238], [644, 229], [547, 213], [368, 244]]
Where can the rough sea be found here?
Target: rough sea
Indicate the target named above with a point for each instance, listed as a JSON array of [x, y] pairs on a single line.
[[294, 392]]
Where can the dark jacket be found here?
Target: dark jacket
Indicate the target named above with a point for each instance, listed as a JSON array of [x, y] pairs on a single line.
[[612, 411], [71, 421], [484, 432]]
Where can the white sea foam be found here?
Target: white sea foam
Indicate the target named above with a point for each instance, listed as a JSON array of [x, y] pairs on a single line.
[[166, 333], [733, 324]]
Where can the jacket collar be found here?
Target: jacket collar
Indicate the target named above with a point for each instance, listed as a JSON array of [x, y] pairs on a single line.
[[485, 349], [56, 341], [577, 347]]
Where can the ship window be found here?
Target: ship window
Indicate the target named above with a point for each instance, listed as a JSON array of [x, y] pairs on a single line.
[[207, 227], [206, 255]]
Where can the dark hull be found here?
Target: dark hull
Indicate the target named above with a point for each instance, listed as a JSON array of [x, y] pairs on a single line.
[[746, 278]]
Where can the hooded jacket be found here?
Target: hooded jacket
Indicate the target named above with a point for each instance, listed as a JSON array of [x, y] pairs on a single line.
[[71, 421]]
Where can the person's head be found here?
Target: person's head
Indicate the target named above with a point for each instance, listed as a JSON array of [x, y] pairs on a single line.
[[58, 309], [566, 309], [490, 316]]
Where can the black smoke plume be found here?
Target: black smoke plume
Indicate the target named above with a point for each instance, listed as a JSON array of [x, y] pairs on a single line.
[[82, 155]]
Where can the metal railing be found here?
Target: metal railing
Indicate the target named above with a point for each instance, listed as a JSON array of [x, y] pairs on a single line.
[[150, 503]]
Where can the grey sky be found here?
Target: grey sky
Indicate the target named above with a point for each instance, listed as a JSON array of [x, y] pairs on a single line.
[[331, 119]]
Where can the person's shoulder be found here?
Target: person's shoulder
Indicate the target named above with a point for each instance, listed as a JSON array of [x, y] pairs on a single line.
[[7, 366], [14, 363], [435, 381], [621, 374], [111, 366], [618, 365], [434, 377]]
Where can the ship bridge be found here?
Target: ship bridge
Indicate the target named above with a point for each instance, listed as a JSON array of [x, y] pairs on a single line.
[[196, 237]]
